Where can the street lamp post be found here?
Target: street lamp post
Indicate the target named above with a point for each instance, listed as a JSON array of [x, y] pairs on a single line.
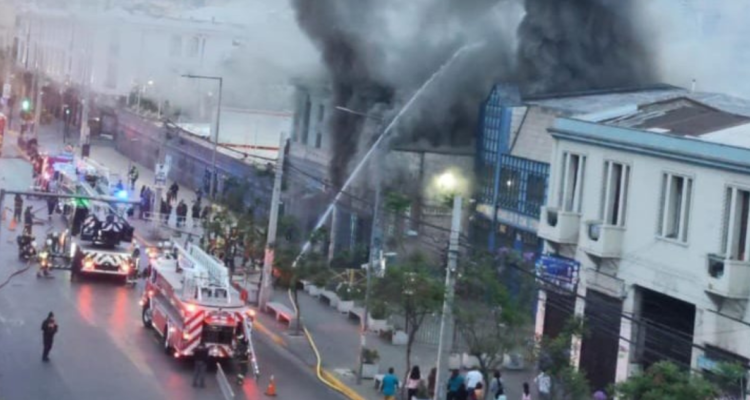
[[214, 175], [448, 182]]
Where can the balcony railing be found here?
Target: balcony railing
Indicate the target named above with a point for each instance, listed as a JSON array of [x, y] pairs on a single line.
[[728, 278], [602, 240], [559, 226]]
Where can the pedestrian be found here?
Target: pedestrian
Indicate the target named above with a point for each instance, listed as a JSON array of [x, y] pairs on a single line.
[[133, 175], [478, 392], [28, 219], [164, 211], [200, 357], [526, 392], [199, 195], [206, 214], [120, 186], [173, 190], [473, 378], [496, 385], [143, 190], [389, 385], [17, 207], [544, 385], [412, 383], [431, 378], [196, 213], [178, 212], [51, 204], [455, 381], [49, 329]]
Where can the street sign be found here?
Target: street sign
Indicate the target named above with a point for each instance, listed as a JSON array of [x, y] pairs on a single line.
[[6, 91], [556, 271], [168, 160]]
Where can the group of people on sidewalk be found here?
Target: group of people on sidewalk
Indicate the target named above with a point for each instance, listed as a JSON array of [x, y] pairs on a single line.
[[198, 213], [467, 386]]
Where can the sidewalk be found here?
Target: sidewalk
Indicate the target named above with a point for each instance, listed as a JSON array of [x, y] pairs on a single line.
[[337, 338]]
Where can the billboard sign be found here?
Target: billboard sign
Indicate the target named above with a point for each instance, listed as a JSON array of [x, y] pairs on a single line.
[[559, 272]]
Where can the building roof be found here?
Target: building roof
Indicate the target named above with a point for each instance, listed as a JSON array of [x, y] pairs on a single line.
[[603, 100], [681, 115]]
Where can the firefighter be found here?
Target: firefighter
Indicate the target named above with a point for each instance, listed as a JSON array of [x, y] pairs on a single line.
[[196, 213], [28, 219], [51, 205], [49, 329], [242, 355], [200, 356], [17, 207]]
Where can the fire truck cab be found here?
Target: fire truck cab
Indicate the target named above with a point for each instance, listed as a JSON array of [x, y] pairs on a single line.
[[188, 299]]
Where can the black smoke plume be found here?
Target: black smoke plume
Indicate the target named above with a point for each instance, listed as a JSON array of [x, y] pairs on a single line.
[[556, 45], [572, 45]]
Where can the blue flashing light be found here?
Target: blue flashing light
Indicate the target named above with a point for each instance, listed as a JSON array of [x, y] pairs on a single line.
[[122, 194]]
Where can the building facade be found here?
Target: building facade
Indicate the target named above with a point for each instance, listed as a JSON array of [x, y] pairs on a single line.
[[117, 52], [649, 204]]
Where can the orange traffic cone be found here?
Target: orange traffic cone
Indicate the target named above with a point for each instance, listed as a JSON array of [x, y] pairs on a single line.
[[271, 390], [12, 225]]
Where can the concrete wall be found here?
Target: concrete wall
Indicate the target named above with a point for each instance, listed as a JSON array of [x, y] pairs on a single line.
[[144, 142]]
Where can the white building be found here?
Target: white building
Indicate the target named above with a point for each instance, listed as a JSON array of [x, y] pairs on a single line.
[[116, 51], [653, 203]]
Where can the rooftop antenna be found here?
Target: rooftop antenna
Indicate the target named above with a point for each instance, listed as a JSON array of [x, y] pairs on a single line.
[[692, 86]]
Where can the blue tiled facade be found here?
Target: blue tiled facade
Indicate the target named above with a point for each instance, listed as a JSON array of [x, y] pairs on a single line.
[[514, 185]]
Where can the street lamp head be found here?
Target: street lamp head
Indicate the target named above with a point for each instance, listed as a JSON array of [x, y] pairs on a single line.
[[151, 83], [447, 181]]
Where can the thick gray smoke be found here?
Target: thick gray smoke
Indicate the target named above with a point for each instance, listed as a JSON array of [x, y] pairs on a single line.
[[381, 50], [569, 45]]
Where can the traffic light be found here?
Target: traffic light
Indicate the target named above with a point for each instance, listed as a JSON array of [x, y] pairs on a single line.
[[26, 105]]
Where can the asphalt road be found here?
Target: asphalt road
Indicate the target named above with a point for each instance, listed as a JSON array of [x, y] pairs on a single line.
[[102, 350]]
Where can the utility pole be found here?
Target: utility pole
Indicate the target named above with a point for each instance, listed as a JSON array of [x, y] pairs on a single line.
[[446, 320], [376, 256], [38, 100], [273, 222]]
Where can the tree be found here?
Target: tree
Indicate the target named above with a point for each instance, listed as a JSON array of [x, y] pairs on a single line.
[[397, 204], [490, 322], [568, 383], [413, 290], [313, 265], [731, 379], [666, 381]]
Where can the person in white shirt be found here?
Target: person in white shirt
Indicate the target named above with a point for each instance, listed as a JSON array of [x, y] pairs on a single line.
[[544, 384], [473, 377]]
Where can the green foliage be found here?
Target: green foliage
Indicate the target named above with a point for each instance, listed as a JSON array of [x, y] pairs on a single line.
[[396, 202], [370, 356], [347, 292], [567, 382], [378, 309], [730, 378], [350, 259], [666, 381], [489, 320]]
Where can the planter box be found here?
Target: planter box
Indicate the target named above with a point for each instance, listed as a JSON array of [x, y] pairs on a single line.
[[400, 338], [377, 325], [313, 290], [369, 371], [345, 306]]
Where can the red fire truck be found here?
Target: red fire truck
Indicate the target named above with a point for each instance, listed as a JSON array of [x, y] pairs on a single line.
[[188, 299]]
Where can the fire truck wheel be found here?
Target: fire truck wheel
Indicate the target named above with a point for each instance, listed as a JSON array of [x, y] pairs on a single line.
[[146, 316]]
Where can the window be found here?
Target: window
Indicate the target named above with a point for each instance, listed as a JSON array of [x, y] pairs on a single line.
[[321, 112], [735, 239], [614, 193], [510, 185], [194, 46], [535, 190], [318, 140], [175, 46], [306, 121], [571, 182], [676, 191]]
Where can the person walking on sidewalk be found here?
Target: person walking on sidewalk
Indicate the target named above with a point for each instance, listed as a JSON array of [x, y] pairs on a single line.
[[51, 204], [389, 385], [473, 378], [412, 383], [49, 329], [200, 357], [455, 383], [133, 176], [544, 385], [182, 210], [496, 385], [173, 190], [196, 213], [526, 392], [206, 214]]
